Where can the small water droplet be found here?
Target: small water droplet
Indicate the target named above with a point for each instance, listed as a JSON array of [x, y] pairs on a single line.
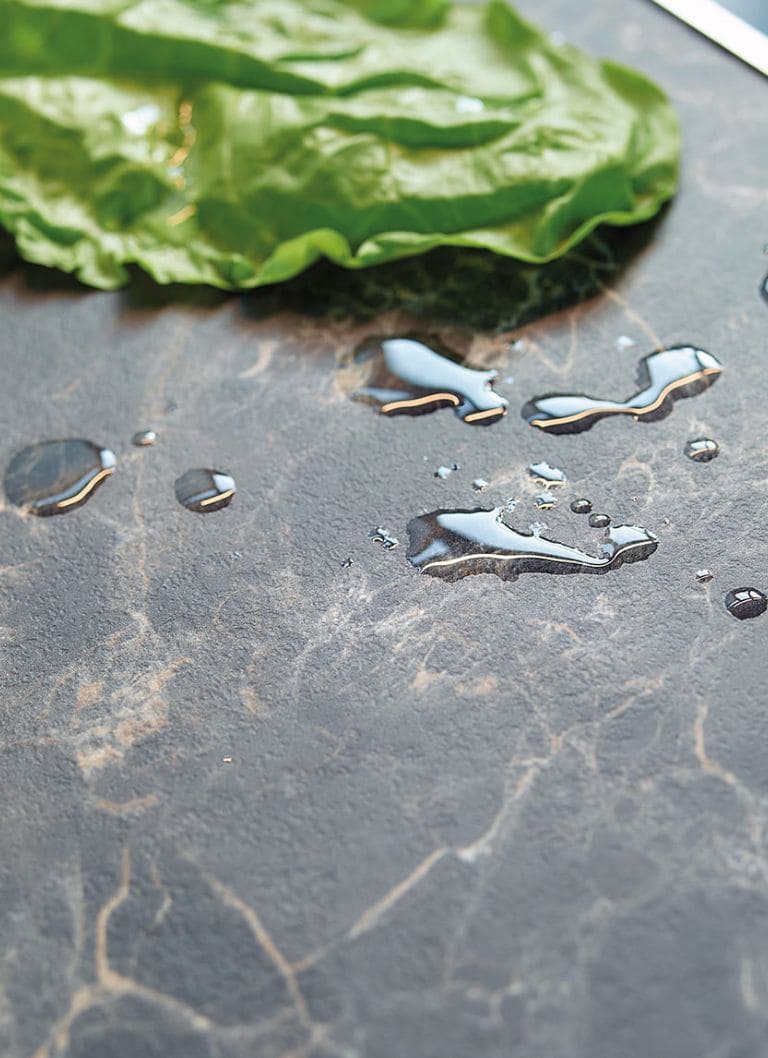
[[443, 472], [544, 474], [55, 477], [479, 484], [702, 449], [745, 603], [346, 563], [469, 105], [704, 576], [141, 119], [510, 504], [205, 490], [404, 376], [453, 544], [545, 501], [144, 438], [599, 521], [537, 528], [383, 536], [226, 760], [624, 342], [581, 506], [664, 377]]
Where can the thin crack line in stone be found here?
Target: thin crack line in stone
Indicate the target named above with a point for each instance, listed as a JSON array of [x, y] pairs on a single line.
[[266, 943]]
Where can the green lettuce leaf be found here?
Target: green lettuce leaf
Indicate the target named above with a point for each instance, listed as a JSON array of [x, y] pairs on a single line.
[[235, 142]]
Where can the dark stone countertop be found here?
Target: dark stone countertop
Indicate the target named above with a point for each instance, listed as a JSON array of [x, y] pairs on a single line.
[[470, 820]]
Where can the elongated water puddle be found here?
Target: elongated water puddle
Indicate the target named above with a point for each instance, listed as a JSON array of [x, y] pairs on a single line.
[[454, 544], [404, 376], [664, 377]]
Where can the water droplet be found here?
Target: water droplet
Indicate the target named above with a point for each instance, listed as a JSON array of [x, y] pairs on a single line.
[[546, 475], [704, 576], [537, 528], [453, 544], [479, 484], [581, 506], [383, 536], [144, 438], [140, 120], [205, 490], [702, 450], [346, 563], [404, 376], [545, 501], [599, 521], [54, 477], [510, 504], [745, 603], [624, 342], [443, 472], [469, 105], [665, 376]]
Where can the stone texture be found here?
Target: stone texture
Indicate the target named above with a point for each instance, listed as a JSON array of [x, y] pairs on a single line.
[[460, 819]]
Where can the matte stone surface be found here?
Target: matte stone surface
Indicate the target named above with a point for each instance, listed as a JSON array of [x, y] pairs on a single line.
[[256, 803]]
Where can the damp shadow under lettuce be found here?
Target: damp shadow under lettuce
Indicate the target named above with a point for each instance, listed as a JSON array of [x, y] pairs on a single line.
[[473, 288]]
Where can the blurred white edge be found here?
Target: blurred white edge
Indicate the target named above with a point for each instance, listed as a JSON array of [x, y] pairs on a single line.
[[723, 27]]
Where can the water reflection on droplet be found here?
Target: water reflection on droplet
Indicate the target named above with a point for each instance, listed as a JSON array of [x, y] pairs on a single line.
[[469, 105], [599, 521], [745, 603], [141, 119], [204, 490], [54, 477], [664, 377], [702, 449], [581, 506], [383, 536], [405, 376], [545, 501], [704, 576], [547, 475], [144, 438], [453, 544]]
